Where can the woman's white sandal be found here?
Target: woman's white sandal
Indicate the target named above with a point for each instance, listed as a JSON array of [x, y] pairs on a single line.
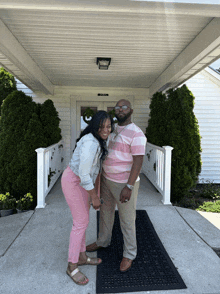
[[73, 273], [89, 261]]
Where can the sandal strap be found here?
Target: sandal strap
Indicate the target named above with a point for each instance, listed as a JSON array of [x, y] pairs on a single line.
[[75, 271]]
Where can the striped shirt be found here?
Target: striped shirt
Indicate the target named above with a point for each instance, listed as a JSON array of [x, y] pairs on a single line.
[[129, 141]]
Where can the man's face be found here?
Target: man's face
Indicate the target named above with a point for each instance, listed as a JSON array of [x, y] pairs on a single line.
[[123, 114]]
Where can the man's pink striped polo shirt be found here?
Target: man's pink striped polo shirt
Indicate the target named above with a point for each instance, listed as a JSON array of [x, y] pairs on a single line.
[[129, 141]]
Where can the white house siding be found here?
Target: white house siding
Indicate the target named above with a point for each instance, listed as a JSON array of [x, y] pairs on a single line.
[[23, 88], [141, 112], [206, 90]]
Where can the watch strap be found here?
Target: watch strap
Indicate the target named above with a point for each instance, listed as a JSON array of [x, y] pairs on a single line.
[[130, 186]]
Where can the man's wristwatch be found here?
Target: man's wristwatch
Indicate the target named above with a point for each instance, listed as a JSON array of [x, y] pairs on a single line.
[[130, 187]]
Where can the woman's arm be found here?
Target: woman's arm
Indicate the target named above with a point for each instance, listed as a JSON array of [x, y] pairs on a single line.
[[95, 199], [88, 152]]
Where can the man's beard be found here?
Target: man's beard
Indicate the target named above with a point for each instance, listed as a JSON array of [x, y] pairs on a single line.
[[123, 118]]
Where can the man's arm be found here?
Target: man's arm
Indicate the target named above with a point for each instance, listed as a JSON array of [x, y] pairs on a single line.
[[135, 171]]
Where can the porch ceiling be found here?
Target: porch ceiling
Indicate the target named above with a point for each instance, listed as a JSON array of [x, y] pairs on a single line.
[[152, 45]]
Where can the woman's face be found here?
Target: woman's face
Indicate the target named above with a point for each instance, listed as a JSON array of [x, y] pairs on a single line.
[[105, 130]]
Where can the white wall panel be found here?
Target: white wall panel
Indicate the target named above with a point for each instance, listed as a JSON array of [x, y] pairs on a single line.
[[207, 111]]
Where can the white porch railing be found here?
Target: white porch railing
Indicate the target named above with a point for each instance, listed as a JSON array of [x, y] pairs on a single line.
[[49, 168], [157, 168]]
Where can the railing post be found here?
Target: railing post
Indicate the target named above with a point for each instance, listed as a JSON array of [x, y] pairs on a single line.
[[40, 178], [167, 174]]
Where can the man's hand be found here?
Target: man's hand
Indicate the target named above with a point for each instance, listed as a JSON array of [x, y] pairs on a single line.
[[125, 195]]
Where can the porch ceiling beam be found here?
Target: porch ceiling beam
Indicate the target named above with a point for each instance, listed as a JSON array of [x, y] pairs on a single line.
[[121, 6], [201, 47], [11, 48]]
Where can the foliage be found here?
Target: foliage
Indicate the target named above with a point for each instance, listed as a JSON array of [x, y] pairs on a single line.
[[88, 114], [17, 110], [7, 201], [50, 122], [157, 130], [112, 114], [210, 206], [33, 138], [25, 126], [199, 195], [172, 122], [50, 175], [7, 85], [209, 190], [25, 202]]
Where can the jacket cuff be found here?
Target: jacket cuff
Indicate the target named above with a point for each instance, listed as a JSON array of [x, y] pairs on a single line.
[[87, 186]]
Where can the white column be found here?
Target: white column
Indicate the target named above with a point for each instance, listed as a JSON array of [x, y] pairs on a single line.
[[167, 174], [40, 178]]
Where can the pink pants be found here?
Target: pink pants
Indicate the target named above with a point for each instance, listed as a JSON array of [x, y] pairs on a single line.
[[77, 199]]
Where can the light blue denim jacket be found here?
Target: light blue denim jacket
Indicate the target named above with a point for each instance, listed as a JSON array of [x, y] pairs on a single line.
[[85, 161]]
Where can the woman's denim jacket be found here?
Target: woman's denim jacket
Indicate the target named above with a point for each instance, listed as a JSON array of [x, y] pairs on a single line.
[[85, 161]]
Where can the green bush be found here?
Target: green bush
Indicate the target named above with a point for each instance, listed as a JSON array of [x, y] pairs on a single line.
[[24, 128], [50, 122], [25, 202], [210, 206], [34, 137], [172, 122], [7, 85], [17, 110], [7, 201], [209, 190]]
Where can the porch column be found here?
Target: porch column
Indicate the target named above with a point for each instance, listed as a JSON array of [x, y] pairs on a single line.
[[167, 175]]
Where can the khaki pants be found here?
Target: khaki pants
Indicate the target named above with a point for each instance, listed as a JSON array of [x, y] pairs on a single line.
[[110, 192]]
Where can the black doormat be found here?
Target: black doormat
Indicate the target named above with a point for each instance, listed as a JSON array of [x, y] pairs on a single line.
[[151, 270]]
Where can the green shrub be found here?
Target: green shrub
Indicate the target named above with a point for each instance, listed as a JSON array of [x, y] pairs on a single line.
[[27, 157], [209, 190], [7, 85], [25, 126], [157, 124], [7, 201], [25, 202], [17, 110], [50, 122], [172, 122], [210, 206]]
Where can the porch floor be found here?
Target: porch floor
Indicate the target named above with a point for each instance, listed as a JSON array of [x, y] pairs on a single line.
[[34, 246]]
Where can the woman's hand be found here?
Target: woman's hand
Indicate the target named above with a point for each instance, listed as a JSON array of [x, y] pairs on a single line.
[[96, 203], [95, 199]]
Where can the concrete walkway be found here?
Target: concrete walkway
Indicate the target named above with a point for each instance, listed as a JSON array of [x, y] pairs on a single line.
[[34, 247]]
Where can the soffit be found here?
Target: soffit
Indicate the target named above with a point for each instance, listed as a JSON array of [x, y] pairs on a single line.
[[64, 43]]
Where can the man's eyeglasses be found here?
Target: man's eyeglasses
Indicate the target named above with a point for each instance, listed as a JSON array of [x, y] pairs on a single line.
[[124, 107]]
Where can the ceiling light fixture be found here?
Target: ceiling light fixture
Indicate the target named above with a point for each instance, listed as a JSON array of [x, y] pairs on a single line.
[[103, 63]]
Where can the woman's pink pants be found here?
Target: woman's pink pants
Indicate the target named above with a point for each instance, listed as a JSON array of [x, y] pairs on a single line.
[[77, 199]]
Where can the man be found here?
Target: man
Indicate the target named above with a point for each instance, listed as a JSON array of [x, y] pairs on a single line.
[[120, 183]]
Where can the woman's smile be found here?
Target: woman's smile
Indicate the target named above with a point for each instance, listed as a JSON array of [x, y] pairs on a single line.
[[105, 130]]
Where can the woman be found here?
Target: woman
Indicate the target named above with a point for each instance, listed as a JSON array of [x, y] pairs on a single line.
[[78, 186]]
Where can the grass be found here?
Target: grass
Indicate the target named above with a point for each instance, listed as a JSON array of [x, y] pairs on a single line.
[[204, 197]]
